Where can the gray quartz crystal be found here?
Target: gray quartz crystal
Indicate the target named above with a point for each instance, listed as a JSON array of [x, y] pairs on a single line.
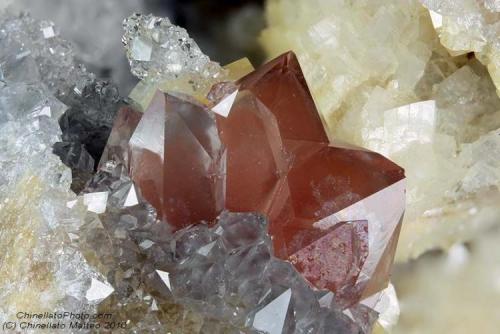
[[221, 278]]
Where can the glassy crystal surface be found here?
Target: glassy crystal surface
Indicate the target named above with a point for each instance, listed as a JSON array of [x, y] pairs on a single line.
[[166, 58], [33, 51], [157, 48], [86, 125], [175, 156], [83, 23]]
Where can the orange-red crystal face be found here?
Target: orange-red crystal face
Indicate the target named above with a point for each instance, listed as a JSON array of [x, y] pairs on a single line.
[[174, 156], [334, 210]]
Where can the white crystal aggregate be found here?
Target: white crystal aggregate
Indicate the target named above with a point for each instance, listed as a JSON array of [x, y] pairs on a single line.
[[41, 269], [83, 23], [470, 26], [158, 49]]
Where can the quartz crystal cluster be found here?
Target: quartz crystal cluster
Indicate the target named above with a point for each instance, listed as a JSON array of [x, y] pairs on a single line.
[[91, 103], [202, 279], [257, 146], [92, 106], [83, 23], [40, 268], [165, 57], [383, 80]]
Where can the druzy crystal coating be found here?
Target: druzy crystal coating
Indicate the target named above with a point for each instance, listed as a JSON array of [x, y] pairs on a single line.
[[334, 210]]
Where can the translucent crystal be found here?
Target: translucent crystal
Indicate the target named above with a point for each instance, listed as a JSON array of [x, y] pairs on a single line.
[[41, 270], [82, 23], [29, 56], [267, 151], [166, 58], [86, 126], [23, 41], [158, 49]]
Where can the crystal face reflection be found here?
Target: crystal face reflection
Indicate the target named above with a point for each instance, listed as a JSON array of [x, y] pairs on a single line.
[[334, 209], [175, 159]]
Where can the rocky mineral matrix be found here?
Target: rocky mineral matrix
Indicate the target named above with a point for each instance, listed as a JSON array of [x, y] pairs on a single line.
[[334, 209]]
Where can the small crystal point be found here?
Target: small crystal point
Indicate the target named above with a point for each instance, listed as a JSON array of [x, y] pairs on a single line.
[[165, 277], [271, 318], [98, 291]]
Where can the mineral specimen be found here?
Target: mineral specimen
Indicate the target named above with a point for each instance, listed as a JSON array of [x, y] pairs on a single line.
[[383, 81], [273, 157], [319, 197], [158, 49], [219, 279], [310, 253], [92, 104], [40, 269], [86, 125]]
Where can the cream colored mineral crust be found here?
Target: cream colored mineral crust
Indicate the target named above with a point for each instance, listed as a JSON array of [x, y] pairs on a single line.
[[382, 80], [470, 26]]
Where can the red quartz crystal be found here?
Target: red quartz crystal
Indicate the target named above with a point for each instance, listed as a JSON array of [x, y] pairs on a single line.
[[334, 209], [173, 154], [281, 163]]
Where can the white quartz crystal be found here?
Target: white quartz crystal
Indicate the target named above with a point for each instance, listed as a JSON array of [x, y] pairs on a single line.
[[83, 23], [158, 49]]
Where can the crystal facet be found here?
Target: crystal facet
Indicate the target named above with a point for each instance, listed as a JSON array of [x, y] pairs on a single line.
[[174, 156]]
